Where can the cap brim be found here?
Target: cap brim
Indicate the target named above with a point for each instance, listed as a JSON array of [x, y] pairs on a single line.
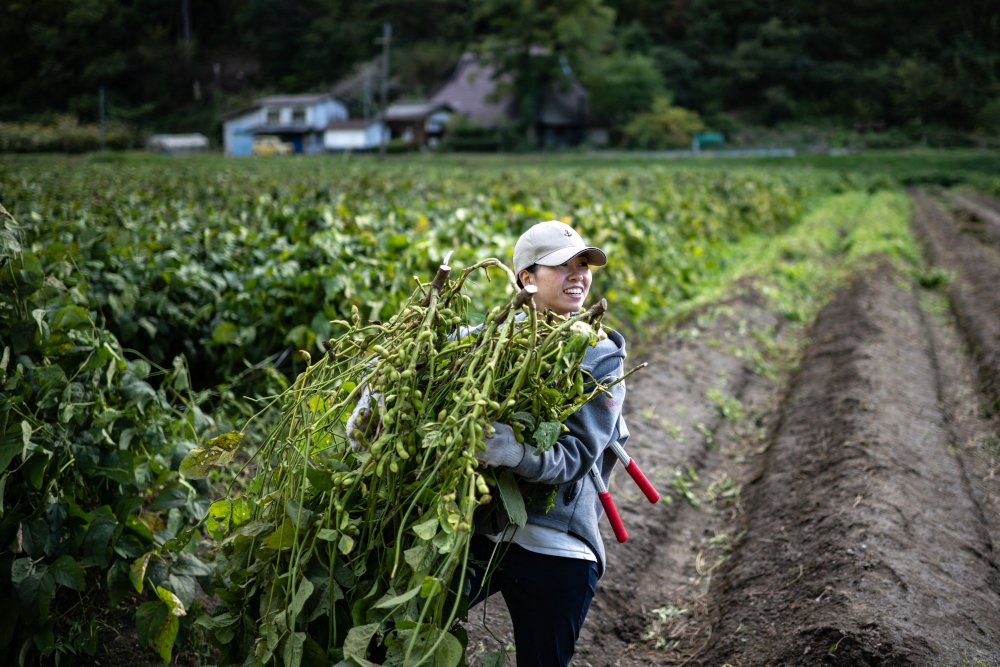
[[595, 256]]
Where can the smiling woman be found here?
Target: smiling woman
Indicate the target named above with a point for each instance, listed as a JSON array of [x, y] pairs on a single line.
[[548, 574], [553, 257]]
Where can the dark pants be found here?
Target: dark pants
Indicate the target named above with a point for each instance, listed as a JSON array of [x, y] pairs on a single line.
[[547, 596]]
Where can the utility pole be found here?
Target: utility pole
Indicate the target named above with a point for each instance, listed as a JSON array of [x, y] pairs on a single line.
[[368, 93], [386, 38], [101, 105], [186, 17]]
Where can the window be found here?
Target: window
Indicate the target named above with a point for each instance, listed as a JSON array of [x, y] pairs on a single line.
[[273, 116], [298, 115]]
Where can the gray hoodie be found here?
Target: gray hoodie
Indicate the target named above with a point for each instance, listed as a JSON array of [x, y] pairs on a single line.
[[567, 464]]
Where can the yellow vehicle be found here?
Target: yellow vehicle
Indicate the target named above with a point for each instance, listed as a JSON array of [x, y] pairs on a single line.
[[266, 145]]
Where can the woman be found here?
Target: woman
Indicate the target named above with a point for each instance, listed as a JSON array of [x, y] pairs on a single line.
[[548, 573]]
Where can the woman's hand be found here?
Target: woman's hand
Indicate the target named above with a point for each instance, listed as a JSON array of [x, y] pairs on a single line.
[[502, 448]]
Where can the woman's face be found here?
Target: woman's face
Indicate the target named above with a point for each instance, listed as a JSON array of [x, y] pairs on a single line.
[[561, 289]]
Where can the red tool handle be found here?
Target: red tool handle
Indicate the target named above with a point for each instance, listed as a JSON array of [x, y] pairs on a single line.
[[641, 481], [612, 512]]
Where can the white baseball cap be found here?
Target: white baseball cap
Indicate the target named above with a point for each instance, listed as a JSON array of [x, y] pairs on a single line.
[[552, 243]]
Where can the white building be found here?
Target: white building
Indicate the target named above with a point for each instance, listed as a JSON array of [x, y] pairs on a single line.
[[177, 144], [298, 119], [354, 135]]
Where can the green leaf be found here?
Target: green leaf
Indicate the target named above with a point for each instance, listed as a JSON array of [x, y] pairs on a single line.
[[300, 517], [283, 538], [427, 529], [20, 569], [321, 480], [399, 599], [223, 620], [137, 573], [219, 517], [346, 544], [526, 419], [165, 636], [291, 652], [67, 572], [148, 617], [33, 537], [71, 317], [301, 596], [495, 659], [225, 333], [219, 451], [97, 543], [327, 534], [415, 556], [8, 451], [513, 501], [172, 601], [358, 638], [174, 495], [34, 469], [449, 652], [546, 435], [118, 582]]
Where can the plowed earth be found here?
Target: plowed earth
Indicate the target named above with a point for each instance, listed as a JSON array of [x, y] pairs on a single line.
[[856, 511]]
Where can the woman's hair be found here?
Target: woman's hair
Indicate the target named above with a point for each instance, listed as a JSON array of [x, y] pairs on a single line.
[[531, 269]]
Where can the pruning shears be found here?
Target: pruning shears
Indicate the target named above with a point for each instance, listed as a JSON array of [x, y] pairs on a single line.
[[608, 502]]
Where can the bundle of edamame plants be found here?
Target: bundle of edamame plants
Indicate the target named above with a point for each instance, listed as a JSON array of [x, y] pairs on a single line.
[[357, 548]]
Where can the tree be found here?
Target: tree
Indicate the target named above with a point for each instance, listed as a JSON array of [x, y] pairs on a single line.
[[536, 43], [621, 85]]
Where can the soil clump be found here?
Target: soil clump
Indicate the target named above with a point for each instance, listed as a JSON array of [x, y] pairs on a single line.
[[864, 545]]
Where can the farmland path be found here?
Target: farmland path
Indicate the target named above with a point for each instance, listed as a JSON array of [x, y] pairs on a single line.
[[864, 544]]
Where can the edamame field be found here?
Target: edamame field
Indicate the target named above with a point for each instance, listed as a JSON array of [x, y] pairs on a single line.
[[813, 389]]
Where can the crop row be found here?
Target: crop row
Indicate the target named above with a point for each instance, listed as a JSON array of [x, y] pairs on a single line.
[[232, 265]]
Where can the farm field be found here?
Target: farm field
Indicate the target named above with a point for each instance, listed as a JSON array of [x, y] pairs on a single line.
[[820, 410]]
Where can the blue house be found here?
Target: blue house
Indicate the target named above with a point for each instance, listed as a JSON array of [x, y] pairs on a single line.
[[298, 119]]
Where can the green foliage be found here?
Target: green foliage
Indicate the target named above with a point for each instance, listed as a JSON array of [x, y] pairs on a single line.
[[87, 479], [906, 62], [621, 84], [66, 135], [663, 126], [230, 264]]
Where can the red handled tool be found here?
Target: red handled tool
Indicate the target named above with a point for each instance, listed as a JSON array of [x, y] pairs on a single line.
[[609, 504], [633, 470]]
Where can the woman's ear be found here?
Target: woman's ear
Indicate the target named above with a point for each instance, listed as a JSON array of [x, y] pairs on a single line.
[[525, 277]]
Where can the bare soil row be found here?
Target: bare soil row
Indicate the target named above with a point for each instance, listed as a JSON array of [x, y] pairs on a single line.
[[864, 543]]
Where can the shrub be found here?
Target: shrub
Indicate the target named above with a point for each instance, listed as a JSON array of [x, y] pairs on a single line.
[[664, 126], [66, 135]]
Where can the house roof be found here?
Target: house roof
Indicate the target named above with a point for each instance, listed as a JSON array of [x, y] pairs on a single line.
[[310, 98], [352, 124], [471, 91], [282, 129], [403, 111]]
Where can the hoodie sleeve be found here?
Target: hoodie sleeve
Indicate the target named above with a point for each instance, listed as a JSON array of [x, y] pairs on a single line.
[[590, 430]]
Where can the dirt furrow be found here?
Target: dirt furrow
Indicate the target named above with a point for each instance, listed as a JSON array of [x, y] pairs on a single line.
[[975, 291], [864, 546], [985, 214]]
